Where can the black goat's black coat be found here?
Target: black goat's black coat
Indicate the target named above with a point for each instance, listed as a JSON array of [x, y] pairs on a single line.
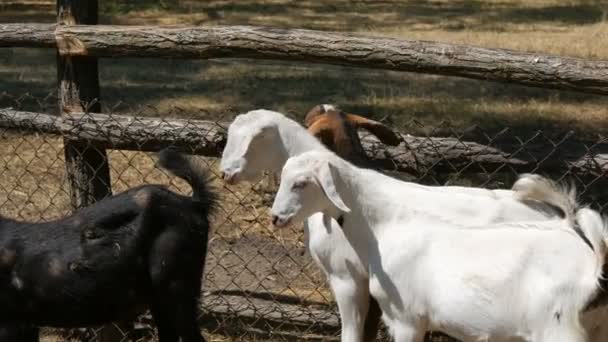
[[143, 248]]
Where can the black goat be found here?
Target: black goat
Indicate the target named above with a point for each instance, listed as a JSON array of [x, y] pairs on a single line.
[[143, 248]]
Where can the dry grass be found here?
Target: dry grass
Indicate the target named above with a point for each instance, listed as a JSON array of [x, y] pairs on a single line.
[[573, 28]]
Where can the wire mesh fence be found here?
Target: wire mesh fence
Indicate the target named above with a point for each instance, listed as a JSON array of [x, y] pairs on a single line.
[[260, 284]]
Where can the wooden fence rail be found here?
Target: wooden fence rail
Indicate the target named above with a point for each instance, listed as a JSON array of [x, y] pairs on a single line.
[[28, 35], [531, 69], [415, 155]]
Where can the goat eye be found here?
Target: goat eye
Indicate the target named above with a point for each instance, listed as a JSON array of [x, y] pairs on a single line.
[[299, 185]]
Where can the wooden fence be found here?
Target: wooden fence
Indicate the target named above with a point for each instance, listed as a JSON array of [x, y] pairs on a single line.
[[416, 155], [79, 41], [529, 69]]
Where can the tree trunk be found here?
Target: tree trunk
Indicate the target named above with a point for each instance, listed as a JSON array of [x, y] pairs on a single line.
[[531, 69]]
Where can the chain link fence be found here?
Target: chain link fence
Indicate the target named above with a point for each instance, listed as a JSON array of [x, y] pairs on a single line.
[[260, 283]]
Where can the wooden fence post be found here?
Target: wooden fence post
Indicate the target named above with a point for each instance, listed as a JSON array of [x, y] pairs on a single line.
[[78, 90]]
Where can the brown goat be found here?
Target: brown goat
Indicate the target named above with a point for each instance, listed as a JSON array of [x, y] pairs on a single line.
[[338, 131]]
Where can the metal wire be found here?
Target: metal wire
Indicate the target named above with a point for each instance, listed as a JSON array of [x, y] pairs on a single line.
[[260, 284]]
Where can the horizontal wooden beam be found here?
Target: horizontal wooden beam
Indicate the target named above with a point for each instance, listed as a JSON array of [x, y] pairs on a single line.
[[418, 156], [531, 69], [28, 35], [122, 132], [432, 156]]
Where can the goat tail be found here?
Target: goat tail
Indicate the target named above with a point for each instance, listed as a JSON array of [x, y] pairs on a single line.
[[587, 221], [533, 187], [590, 222], [189, 169]]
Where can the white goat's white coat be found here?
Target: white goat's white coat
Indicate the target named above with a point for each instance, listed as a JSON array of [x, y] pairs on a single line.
[[263, 140], [526, 280]]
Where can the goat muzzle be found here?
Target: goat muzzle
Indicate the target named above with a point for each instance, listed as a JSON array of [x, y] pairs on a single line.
[[280, 222], [229, 178]]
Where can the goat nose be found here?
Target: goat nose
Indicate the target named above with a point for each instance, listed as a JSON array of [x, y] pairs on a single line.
[[275, 219], [228, 177], [223, 175]]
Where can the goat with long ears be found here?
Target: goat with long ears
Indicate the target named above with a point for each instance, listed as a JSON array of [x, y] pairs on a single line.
[[263, 140], [448, 269]]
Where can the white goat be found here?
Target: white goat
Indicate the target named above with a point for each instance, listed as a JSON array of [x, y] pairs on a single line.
[[263, 140], [524, 280]]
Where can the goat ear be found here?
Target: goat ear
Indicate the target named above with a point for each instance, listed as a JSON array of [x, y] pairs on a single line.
[[326, 180], [380, 130]]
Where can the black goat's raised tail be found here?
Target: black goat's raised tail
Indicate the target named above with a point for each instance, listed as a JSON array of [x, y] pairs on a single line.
[[192, 171]]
